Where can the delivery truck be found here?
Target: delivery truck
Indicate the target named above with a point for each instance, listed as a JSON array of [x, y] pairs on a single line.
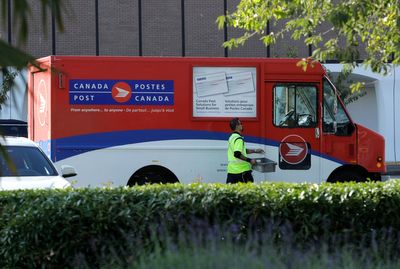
[[135, 120]]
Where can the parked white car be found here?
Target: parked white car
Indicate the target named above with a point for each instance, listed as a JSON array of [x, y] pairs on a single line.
[[23, 165]]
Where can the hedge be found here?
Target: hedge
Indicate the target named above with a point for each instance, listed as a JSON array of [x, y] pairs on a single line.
[[55, 228]]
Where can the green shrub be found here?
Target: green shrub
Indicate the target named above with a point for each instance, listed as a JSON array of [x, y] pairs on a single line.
[[58, 228]]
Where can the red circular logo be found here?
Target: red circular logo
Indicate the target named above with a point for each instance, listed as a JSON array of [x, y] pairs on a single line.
[[121, 92], [293, 149]]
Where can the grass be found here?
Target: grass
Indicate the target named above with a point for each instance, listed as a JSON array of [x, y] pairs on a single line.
[[226, 256], [214, 250]]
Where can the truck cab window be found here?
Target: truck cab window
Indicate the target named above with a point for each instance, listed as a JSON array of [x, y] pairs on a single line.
[[295, 106], [335, 116]]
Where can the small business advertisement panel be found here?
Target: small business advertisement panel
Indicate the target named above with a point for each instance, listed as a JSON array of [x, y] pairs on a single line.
[[225, 92]]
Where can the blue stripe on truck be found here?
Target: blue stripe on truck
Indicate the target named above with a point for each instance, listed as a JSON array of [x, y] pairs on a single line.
[[68, 147]]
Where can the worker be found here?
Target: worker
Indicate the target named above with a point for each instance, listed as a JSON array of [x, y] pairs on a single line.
[[239, 165]]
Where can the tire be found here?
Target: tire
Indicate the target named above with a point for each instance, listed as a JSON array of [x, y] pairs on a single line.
[[347, 176], [152, 175], [375, 177]]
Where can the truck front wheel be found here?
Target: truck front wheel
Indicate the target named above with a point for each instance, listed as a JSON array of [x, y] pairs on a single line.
[[152, 174], [347, 176]]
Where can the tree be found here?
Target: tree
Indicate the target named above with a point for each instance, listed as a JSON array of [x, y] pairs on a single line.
[[375, 24], [12, 56]]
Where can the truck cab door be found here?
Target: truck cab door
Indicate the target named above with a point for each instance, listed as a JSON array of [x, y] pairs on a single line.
[[294, 128], [339, 134]]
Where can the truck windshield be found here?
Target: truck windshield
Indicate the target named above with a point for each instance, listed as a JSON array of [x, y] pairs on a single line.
[[334, 113]]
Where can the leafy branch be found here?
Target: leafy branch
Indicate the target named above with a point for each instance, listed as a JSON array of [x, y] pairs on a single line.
[[351, 24]]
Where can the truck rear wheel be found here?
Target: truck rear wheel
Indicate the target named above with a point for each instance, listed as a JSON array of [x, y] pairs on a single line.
[[152, 174]]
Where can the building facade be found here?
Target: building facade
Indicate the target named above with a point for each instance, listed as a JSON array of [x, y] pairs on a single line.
[[142, 28]]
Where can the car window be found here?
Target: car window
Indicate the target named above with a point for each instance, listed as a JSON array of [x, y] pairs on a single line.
[[27, 161]]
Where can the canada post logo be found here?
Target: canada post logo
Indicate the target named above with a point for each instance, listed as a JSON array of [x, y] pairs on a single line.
[[121, 92], [42, 103], [294, 153]]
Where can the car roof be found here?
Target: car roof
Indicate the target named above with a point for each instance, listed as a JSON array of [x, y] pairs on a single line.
[[16, 141]]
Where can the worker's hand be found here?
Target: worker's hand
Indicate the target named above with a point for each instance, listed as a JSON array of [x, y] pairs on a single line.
[[258, 151], [253, 161]]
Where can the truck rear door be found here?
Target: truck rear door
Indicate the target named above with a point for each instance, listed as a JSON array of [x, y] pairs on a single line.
[[39, 110]]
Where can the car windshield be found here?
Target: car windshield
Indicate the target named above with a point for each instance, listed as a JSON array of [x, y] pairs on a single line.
[[25, 161]]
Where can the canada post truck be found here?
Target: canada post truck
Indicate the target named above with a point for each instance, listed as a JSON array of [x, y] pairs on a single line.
[[136, 120]]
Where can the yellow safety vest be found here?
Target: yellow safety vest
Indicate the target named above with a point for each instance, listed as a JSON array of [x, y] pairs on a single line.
[[235, 165]]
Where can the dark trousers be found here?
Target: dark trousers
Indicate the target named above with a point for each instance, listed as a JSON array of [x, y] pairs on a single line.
[[242, 177]]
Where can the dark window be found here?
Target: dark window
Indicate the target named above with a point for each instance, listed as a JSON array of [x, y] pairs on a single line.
[[27, 161], [295, 105], [336, 120], [13, 128]]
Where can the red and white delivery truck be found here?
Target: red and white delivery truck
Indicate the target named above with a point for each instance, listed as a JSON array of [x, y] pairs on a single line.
[[132, 120]]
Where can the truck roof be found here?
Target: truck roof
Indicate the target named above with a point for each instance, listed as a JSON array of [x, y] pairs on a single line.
[[277, 68]]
